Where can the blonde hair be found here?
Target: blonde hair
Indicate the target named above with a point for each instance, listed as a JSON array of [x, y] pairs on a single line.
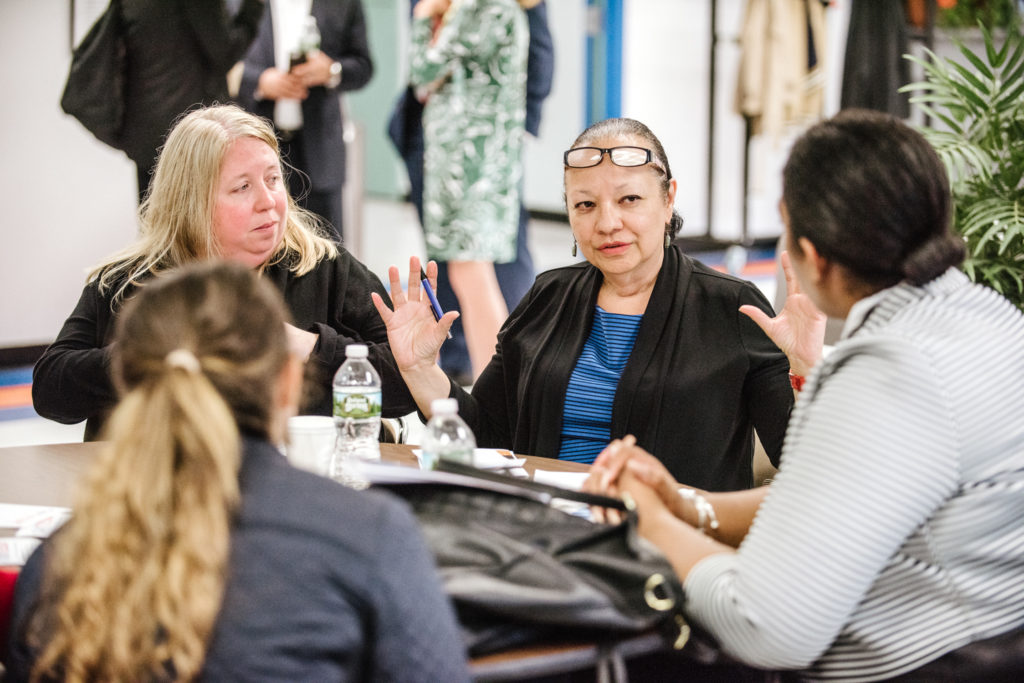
[[135, 580], [176, 218]]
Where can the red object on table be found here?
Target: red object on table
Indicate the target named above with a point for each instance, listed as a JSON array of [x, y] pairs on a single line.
[[8, 576]]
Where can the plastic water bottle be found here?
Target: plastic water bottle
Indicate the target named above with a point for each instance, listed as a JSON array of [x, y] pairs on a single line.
[[447, 436], [310, 41], [357, 403]]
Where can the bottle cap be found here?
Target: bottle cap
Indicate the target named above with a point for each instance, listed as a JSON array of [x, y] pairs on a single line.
[[356, 351], [444, 406]]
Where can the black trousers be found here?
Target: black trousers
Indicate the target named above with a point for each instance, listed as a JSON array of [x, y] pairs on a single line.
[[324, 203]]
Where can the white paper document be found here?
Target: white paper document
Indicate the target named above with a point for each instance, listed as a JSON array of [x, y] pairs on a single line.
[[35, 521], [14, 552], [565, 480], [487, 459]]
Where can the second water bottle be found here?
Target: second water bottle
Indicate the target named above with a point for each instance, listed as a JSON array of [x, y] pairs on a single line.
[[447, 436]]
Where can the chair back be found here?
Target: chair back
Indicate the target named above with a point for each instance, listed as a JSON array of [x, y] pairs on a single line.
[[8, 577]]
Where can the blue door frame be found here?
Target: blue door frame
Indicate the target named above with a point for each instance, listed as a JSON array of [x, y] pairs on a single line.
[[604, 59]]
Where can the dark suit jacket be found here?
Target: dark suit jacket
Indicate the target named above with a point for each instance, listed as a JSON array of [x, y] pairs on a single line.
[[324, 584], [178, 56], [343, 38], [700, 378]]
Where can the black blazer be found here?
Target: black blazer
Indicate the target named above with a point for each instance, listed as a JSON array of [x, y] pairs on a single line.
[[343, 38], [178, 56]]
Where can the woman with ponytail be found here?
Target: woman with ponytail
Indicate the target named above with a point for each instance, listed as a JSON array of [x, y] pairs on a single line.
[[196, 550]]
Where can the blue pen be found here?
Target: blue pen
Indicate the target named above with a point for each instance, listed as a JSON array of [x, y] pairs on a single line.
[[435, 307]]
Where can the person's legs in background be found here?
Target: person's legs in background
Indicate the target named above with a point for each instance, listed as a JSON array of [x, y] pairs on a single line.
[[144, 174], [482, 307], [454, 354], [327, 205], [514, 278]]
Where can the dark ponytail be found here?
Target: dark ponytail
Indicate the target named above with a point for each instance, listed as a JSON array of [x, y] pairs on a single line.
[[871, 194]]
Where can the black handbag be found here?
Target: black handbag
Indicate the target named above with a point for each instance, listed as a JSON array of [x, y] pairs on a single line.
[[94, 92], [520, 571]]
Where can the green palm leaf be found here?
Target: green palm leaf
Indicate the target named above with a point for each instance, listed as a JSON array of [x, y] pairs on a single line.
[[978, 102]]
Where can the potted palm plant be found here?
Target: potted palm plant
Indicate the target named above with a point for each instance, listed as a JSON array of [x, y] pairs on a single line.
[[975, 103]]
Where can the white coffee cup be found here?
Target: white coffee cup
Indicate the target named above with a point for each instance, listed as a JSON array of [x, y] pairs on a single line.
[[311, 442]]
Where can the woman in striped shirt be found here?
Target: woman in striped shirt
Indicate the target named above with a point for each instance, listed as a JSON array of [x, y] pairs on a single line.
[[891, 535]]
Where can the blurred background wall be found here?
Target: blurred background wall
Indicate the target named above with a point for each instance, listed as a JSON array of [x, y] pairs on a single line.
[[70, 200]]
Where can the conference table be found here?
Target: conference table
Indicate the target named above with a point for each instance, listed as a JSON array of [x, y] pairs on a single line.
[[47, 475]]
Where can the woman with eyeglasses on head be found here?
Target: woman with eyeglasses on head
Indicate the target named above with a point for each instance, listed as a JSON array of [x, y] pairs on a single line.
[[639, 339], [196, 551], [219, 193]]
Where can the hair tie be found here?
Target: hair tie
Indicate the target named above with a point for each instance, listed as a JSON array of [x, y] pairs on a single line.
[[184, 359]]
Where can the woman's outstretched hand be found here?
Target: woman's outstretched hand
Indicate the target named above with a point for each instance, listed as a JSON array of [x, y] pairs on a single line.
[[799, 330], [414, 336]]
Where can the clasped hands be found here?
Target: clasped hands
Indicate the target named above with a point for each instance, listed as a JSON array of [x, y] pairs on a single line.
[[624, 470], [276, 84]]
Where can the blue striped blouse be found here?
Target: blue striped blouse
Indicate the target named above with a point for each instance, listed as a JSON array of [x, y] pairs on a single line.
[[587, 416]]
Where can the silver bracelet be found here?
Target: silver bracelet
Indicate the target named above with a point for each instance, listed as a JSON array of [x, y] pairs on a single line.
[[706, 516]]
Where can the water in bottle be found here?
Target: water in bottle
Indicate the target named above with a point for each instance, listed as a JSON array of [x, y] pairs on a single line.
[[447, 437], [357, 405], [309, 41]]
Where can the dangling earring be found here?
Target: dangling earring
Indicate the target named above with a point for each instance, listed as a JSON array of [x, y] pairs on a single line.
[[668, 240], [574, 247]]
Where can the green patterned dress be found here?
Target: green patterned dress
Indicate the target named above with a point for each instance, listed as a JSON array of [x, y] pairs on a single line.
[[473, 128]]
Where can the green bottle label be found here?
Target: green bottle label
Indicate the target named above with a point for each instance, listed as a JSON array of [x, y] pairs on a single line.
[[357, 405]]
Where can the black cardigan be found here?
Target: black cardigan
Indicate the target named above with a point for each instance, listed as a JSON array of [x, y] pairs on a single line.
[[701, 376], [71, 381]]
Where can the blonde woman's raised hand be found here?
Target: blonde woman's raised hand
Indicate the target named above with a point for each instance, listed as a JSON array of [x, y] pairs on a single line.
[[415, 337], [799, 330]]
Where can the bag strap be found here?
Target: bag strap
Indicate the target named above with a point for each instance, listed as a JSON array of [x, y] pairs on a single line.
[[544, 493]]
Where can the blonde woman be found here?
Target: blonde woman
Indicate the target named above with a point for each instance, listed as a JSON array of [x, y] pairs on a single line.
[[219, 193], [196, 550]]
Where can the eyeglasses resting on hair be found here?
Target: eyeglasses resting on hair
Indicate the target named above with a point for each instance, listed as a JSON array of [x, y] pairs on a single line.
[[585, 157]]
